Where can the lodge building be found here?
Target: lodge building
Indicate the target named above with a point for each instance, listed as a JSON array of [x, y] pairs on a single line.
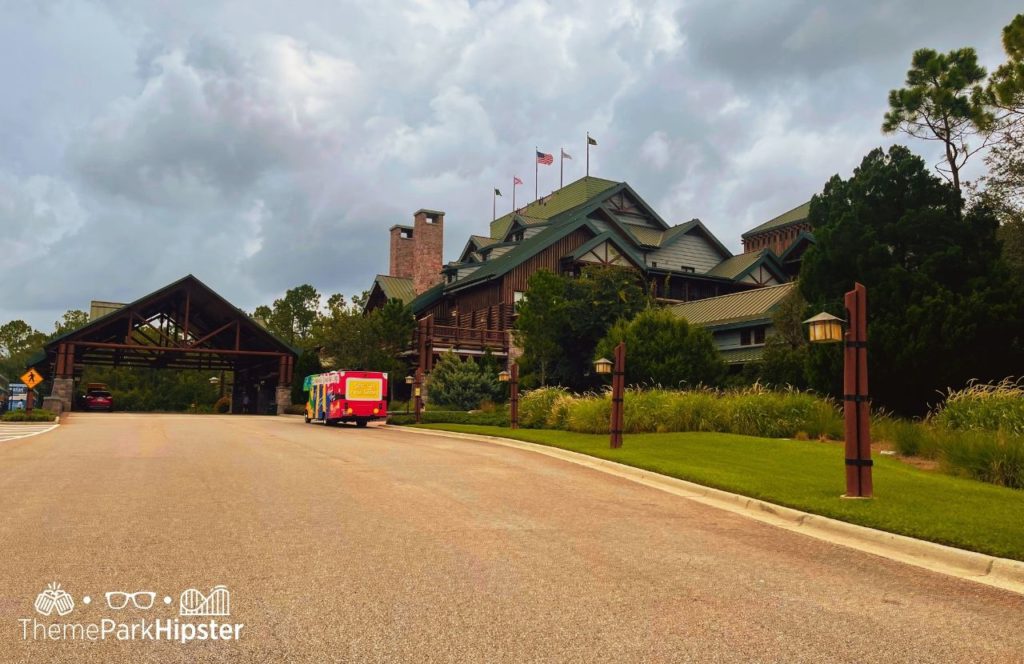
[[467, 306]]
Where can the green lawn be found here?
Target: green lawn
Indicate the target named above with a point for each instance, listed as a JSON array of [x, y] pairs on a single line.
[[808, 475]]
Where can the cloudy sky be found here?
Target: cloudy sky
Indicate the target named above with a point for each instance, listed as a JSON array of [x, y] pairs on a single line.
[[261, 145]]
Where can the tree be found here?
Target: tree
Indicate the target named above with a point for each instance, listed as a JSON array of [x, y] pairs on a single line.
[[71, 320], [292, 317], [542, 319], [461, 384], [562, 318], [1004, 182], [786, 351], [392, 326], [942, 306], [663, 349], [942, 102]]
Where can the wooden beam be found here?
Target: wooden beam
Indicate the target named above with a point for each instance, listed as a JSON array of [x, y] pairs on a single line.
[[220, 329]]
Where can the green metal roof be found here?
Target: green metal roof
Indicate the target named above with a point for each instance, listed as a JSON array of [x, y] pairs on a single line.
[[646, 235], [742, 355], [751, 305], [561, 200], [427, 298], [797, 214], [396, 288], [740, 265]]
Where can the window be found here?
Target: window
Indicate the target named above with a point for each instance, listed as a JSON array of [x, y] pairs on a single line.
[[752, 336], [687, 268], [517, 236], [654, 263], [517, 296]]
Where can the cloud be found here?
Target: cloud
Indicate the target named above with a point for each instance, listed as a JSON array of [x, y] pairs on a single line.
[[263, 145]]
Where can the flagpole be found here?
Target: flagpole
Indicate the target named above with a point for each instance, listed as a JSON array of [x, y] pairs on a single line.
[[513, 194], [535, 162], [588, 154], [561, 167], [494, 204]]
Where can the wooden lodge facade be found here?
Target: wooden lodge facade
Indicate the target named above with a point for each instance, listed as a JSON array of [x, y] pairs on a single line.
[[468, 306]]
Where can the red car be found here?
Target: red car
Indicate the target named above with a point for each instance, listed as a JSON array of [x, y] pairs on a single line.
[[99, 400]]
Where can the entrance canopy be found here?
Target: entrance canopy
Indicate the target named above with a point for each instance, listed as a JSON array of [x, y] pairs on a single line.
[[184, 325]]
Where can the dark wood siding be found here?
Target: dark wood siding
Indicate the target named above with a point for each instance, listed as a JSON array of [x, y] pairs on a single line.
[[517, 278]]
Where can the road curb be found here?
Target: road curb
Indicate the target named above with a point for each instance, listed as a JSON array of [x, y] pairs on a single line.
[[979, 567]]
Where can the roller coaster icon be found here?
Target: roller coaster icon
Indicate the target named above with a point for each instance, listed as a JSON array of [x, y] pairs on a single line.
[[216, 603]]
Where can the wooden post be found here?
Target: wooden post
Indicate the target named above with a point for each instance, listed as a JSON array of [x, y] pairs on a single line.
[[513, 396], [618, 392], [856, 401]]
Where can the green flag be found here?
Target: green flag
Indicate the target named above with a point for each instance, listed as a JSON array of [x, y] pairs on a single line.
[[591, 140], [497, 192]]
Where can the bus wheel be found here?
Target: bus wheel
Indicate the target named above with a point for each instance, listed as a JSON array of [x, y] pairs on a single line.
[[361, 423]]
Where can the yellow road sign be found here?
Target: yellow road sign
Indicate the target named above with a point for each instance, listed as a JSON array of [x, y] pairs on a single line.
[[31, 378]]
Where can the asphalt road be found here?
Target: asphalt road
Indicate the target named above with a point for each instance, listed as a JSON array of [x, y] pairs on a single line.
[[338, 544]]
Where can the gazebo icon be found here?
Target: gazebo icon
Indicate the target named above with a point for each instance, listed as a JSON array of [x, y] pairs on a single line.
[[216, 603]]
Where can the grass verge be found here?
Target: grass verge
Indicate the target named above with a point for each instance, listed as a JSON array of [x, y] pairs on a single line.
[[809, 476]]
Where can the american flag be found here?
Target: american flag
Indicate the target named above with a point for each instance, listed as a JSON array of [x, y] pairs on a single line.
[[516, 180], [544, 158]]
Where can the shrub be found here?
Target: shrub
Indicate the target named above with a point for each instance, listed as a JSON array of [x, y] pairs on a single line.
[[461, 385], [997, 458], [535, 406], [37, 415], [754, 411], [222, 405], [499, 418], [989, 407]]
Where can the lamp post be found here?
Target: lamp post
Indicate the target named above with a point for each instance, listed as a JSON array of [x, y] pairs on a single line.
[[409, 380], [417, 390], [826, 328], [618, 371], [512, 377]]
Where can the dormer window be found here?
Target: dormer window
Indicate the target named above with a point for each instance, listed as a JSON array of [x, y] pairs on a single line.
[[517, 236], [687, 268]]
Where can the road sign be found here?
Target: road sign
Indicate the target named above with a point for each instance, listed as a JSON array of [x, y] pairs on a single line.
[[31, 378]]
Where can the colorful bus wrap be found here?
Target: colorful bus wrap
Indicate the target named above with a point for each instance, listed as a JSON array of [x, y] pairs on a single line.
[[347, 396]]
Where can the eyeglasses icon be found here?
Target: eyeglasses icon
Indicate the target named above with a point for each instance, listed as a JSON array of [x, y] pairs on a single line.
[[118, 600]]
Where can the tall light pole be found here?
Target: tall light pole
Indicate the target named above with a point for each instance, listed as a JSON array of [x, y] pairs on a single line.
[[618, 371], [826, 328], [409, 380]]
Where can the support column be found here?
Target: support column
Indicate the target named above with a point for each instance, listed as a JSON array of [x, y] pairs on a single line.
[[857, 406], [61, 395]]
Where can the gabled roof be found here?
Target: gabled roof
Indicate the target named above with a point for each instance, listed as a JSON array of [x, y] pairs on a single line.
[[615, 240], [805, 238], [797, 214], [208, 313], [741, 265], [396, 288], [568, 197], [749, 306], [522, 251]]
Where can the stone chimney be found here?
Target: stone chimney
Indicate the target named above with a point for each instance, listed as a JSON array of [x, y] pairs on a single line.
[[428, 245], [402, 258]]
